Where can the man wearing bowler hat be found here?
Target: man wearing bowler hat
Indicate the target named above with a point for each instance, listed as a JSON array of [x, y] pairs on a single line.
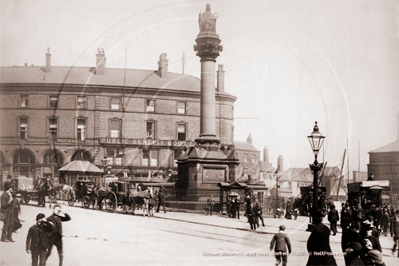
[[7, 213], [319, 243]]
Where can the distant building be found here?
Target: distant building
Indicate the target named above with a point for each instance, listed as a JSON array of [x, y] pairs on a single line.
[[384, 165], [248, 155], [294, 178], [138, 120]]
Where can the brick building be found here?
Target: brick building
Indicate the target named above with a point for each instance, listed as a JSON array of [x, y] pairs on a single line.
[[139, 120]]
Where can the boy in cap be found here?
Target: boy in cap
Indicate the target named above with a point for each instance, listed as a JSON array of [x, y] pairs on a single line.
[[280, 242], [37, 241]]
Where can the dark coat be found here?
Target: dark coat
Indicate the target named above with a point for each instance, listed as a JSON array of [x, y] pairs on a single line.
[[395, 228], [385, 219], [375, 243], [37, 237], [349, 237], [56, 232], [6, 204], [319, 241], [333, 215], [162, 194], [282, 242]]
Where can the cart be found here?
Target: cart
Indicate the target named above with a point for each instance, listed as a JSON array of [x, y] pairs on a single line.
[[24, 186], [85, 192]]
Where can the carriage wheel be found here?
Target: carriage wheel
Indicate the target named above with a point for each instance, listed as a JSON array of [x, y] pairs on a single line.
[[86, 202], [111, 201], [26, 198], [71, 199]]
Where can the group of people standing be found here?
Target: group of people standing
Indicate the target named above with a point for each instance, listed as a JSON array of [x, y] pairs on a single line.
[[42, 236], [361, 234]]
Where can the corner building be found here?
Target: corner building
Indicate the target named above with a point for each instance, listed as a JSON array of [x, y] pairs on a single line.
[[138, 120]]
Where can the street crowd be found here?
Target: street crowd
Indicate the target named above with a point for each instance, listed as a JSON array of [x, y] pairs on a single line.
[[42, 236]]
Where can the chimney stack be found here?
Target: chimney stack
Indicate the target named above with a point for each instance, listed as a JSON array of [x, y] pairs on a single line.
[[48, 61], [220, 78], [280, 167], [266, 155], [100, 61], [249, 139], [163, 66]]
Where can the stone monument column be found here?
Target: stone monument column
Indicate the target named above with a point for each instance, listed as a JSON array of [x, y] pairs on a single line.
[[208, 48], [205, 165]]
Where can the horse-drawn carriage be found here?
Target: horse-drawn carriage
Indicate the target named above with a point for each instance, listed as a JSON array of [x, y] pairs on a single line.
[[24, 186], [85, 192]]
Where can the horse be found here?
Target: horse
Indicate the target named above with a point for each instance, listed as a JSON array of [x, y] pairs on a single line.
[[63, 190], [140, 198]]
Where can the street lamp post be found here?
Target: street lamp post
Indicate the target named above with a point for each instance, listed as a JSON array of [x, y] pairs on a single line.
[[104, 162], [277, 176], [316, 140]]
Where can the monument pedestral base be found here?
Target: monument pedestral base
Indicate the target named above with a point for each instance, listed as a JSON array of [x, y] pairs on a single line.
[[206, 164]]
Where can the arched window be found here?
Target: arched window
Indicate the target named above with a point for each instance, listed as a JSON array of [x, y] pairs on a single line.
[[23, 157], [23, 163], [53, 157], [81, 155]]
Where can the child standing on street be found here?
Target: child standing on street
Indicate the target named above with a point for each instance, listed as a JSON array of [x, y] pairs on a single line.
[[37, 241], [280, 242]]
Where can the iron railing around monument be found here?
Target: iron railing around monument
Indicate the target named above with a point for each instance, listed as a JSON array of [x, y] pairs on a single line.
[[192, 199]]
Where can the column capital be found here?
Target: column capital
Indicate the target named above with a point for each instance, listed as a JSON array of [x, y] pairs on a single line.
[[208, 47]]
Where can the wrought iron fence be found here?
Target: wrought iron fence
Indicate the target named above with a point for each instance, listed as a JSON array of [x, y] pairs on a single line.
[[195, 200]]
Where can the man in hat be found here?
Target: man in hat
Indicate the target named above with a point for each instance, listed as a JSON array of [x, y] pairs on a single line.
[[161, 198], [7, 213], [37, 241], [282, 242], [333, 218], [55, 236], [318, 244]]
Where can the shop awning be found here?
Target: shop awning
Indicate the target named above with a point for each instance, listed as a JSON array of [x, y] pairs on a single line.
[[80, 166]]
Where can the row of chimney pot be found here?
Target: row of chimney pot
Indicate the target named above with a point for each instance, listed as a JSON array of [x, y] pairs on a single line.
[[162, 67]]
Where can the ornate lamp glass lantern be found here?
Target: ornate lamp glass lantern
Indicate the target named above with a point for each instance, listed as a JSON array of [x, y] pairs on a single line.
[[316, 140]]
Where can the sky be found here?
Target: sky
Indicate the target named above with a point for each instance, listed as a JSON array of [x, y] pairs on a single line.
[[289, 63]]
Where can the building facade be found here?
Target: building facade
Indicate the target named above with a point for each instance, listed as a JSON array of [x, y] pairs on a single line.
[[384, 165], [133, 123], [248, 155]]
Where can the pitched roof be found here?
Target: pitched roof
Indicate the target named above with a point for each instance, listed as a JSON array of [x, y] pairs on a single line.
[[266, 167], [306, 175], [112, 77], [392, 147], [243, 145]]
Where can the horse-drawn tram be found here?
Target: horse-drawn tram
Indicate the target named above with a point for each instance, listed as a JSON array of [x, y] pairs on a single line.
[[24, 186]]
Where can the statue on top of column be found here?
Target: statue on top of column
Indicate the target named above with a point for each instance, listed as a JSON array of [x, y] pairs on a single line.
[[207, 20]]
